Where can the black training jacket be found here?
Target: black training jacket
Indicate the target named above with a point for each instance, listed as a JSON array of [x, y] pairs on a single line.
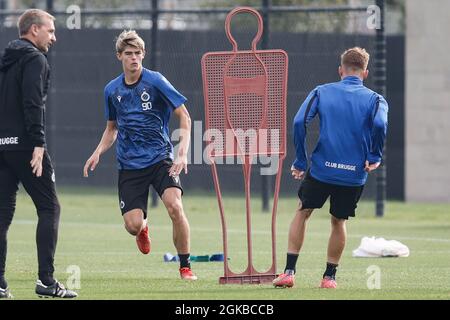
[[24, 82]]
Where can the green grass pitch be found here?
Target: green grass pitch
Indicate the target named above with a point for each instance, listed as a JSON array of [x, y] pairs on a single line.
[[92, 237]]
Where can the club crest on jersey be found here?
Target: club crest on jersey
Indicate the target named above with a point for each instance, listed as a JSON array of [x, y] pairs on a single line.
[[146, 103], [119, 98]]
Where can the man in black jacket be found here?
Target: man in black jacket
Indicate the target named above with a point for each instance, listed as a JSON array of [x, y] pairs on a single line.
[[24, 83]]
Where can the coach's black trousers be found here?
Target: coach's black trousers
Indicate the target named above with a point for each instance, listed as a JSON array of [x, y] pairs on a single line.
[[14, 168]]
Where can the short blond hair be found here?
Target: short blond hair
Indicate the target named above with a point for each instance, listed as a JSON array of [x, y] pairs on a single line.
[[30, 17], [355, 59], [129, 38]]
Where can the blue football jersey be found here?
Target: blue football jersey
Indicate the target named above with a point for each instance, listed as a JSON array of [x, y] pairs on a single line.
[[353, 125], [142, 112]]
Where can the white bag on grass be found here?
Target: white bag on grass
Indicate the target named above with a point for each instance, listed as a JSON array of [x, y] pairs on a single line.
[[372, 247]]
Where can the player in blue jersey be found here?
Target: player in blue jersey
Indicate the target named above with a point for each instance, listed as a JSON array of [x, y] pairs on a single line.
[[138, 106], [353, 124]]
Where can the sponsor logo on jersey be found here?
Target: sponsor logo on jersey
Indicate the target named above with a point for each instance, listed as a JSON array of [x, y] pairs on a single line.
[[119, 98]]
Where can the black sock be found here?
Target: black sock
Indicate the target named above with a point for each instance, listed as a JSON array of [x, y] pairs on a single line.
[[330, 271], [291, 261], [46, 279], [185, 260], [3, 283]]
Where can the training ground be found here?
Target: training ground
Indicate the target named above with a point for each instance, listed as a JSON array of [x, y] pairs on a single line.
[[92, 237]]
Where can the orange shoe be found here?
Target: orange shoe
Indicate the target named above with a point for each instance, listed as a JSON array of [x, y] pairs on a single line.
[[284, 281], [143, 241], [187, 274], [328, 283]]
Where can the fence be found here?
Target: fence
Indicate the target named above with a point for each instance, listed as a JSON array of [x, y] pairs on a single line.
[[83, 61]]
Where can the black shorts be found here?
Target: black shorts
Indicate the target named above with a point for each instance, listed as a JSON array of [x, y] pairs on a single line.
[[343, 200], [134, 185]]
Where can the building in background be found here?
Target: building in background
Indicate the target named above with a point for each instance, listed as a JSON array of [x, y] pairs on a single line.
[[427, 101]]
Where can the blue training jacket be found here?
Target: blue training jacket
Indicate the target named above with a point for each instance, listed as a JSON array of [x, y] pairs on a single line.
[[353, 125]]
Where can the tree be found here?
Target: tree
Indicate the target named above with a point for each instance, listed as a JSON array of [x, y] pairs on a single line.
[[95, 21], [291, 22]]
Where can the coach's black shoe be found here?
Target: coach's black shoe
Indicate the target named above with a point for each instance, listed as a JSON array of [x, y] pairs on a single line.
[[56, 290], [5, 294]]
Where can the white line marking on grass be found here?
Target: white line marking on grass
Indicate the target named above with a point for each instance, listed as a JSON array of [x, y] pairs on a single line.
[[236, 231]]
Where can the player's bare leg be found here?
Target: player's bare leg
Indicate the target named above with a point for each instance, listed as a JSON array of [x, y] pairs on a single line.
[[134, 221], [336, 245], [297, 229], [295, 242], [181, 231]]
